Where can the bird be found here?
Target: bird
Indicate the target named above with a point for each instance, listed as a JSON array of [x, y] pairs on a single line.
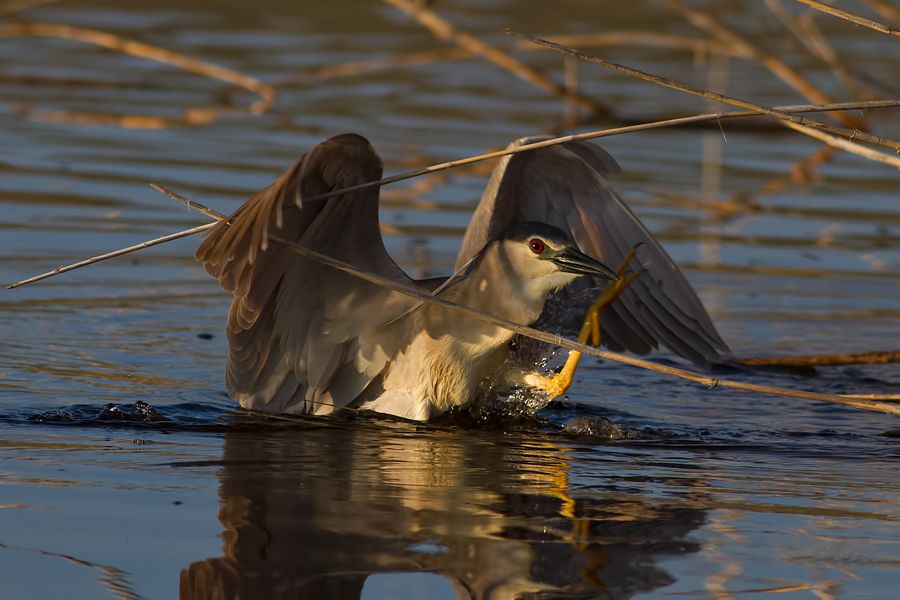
[[306, 339]]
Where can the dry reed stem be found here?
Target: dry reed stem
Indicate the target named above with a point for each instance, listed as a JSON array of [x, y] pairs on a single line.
[[846, 145], [95, 259], [116, 43], [568, 344], [591, 135], [200, 208], [802, 124], [822, 360], [880, 397], [849, 16], [443, 30], [774, 64], [465, 161], [428, 57]]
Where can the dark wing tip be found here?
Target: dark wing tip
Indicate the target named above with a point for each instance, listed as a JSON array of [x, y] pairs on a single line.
[[341, 161], [342, 150]]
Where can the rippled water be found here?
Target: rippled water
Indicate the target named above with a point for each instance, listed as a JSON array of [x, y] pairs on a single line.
[[127, 472]]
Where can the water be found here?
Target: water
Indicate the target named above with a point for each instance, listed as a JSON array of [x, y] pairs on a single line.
[[709, 493]]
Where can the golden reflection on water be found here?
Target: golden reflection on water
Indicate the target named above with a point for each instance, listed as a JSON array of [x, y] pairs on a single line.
[[316, 512]]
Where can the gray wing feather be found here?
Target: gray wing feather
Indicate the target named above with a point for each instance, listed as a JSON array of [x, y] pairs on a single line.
[[302, 337], [565, 186]]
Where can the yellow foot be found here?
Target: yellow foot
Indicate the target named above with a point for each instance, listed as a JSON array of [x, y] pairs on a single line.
[[559, 383], [552, 387], [591, 328]]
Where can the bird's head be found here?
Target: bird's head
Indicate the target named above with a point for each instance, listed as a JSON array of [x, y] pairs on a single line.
[[543, 258]]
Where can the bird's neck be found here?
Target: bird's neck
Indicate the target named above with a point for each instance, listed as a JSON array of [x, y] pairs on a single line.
[[461, 352], [489, 288]]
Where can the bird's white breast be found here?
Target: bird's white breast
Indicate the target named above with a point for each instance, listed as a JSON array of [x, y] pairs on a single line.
[[434, 374]]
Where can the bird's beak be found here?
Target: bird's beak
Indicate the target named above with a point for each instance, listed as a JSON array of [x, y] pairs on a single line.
[[573, 261]]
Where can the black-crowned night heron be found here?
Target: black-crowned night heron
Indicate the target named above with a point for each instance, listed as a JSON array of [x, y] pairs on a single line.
[[304, 338]]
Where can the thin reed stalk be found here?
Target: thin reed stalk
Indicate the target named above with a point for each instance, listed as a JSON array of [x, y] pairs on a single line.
[[875, 104], [592, 135], [822, 360], [93, 260], [789, 75], [880, 397], [802, 124], [849, 16], [846, 145]]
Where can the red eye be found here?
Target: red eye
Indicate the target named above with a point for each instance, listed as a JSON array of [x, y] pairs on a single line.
[[536, 245]]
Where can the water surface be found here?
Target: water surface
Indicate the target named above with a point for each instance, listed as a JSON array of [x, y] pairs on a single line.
[[711, 494]]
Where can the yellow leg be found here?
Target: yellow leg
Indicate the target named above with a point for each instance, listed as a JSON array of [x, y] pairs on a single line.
[[557, 475], [590, 330], [558, 384]]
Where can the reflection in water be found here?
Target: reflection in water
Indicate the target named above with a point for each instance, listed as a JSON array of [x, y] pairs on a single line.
[[312, 513]]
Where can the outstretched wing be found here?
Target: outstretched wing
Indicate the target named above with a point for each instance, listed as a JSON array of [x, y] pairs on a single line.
[[302, 337], [565, 186]]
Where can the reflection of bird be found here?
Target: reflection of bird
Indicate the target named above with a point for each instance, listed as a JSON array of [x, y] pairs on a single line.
[[315, 510], [304, 338]]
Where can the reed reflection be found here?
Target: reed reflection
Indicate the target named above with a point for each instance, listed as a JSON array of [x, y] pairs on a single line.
[[312, 512]]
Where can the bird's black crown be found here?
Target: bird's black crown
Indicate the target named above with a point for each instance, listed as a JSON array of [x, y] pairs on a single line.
[[523, 232]]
